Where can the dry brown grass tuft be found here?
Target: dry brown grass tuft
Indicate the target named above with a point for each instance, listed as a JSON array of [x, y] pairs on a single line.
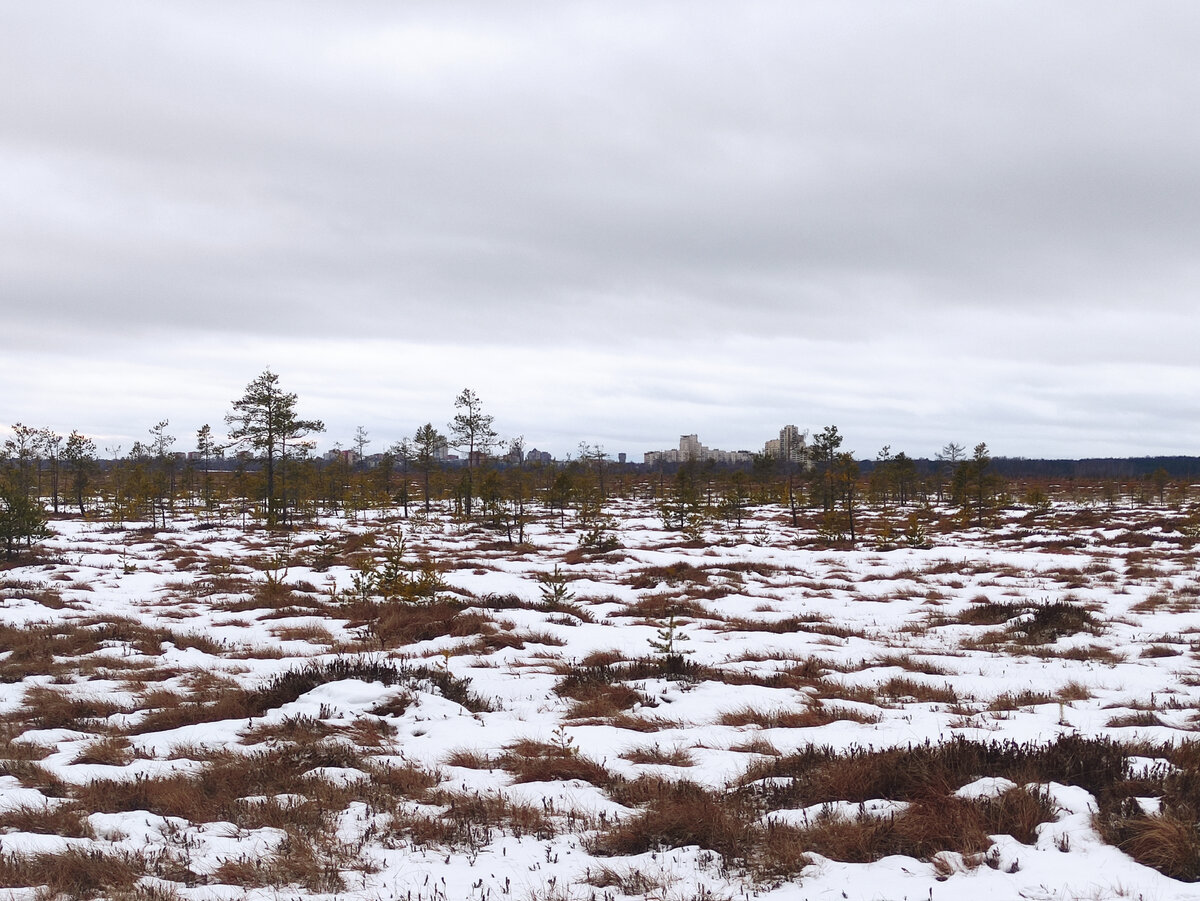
[[49, 708], [402, 780], [299, 728], [113, 750], [315, 867], [470, 820], [642, 723], [931, 823], [656, 754], [598, 699], [628, 881], [1142, 718], [1017, 700], [1168, 842], [681, 573], [313, 633], [535, 761], [67, 820], [678, 814], [216, 791], [1073, 691], [1155, 651], [756, 744], [72, 873], [396, 624], [811, 716]]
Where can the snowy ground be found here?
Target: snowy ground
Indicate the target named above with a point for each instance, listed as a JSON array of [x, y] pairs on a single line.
[[207, 713]]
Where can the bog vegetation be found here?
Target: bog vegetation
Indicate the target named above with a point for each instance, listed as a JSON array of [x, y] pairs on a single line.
[[279, 675]]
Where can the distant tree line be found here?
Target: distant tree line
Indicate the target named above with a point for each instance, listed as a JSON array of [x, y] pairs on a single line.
[[263, 472]]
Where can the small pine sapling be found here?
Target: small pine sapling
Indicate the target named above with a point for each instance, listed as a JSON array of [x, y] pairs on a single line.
[[553, 587], [666, 646]]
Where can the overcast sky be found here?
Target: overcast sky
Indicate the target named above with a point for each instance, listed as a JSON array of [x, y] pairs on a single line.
[[616, 222]]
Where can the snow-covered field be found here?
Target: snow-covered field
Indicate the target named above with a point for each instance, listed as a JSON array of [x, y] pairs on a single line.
[[419, 710]]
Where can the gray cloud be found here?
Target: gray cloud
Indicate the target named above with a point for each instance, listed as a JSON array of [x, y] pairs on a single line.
[[1006, 189]]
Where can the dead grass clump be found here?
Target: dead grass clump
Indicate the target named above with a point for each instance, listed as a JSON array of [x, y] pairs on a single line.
[[1142, 718], [679, 814], [658, 755], [491, 639], [1091, 653], [226, 701], [990, 614], [584, 682], [215, 791], [599, 700], [292, 728], [642, 723], [1074, 691], [73, 873], [1017, 700], [294, 862], [901, 687], [397, 624], [598, 691], [34, 775], [470, 820], [628, 882], [681, 572], [601, 659], [1155, 651], [789, 626], [811, 716], [931, 823], [313, 633], [50, 708], [113, 750], [1168, 842], [911, 664], [756, 744], [67, 820], [535, 761], [470, 758], [402, 780], [12, 748], [371, 732], [1056, 620], [660, 607], [816, 775]]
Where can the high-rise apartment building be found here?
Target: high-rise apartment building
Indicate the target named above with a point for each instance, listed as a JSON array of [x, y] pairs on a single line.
[[791, 445]]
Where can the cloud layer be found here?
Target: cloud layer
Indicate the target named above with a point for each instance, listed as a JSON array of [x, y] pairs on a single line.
[[924, 222]]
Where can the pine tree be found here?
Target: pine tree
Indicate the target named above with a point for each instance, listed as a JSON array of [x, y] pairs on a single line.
[[21, 519], [264, 419]]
